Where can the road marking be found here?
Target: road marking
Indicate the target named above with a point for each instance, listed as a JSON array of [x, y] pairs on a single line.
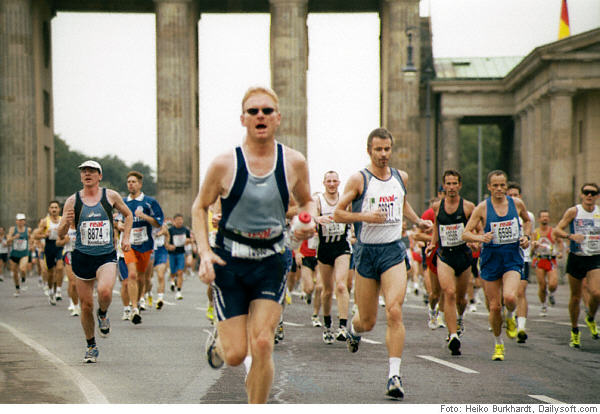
[[370, 341], [292, 324], [87, 388], [448, 364], [547, 399]]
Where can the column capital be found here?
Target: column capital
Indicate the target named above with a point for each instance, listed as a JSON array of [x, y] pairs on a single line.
[[561, 91], [282, 2]]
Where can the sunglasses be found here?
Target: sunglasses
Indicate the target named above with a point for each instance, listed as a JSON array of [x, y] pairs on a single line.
[[255, 111], [590, 192]]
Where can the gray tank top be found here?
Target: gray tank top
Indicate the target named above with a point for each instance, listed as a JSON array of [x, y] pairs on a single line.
[[94, 226], [253, 213]]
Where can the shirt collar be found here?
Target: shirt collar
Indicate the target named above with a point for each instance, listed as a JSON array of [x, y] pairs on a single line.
[[138, 198]]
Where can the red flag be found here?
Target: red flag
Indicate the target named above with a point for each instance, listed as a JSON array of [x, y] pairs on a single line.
[[563, 26]]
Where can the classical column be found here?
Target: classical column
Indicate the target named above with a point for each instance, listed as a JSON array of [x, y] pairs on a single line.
[[400, 89], [536, 159], [516, 159], [177, 105], [18, 147], [289, 62], [450, 144], [560, 185]]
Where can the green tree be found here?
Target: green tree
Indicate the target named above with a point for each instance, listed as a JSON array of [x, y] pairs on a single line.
[[114, 171], [491, 140]]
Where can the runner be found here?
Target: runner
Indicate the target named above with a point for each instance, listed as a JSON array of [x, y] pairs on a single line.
[[19, 239], [454, 255], [501, 260], [179, 237], [546, 249], [377, 195], [160, 261], [583, 262], [94, 258], [68, 244], [333, 257], [147, 215], [3, 252], [514, 190], [48, 230], [312, 284], [253, 183]]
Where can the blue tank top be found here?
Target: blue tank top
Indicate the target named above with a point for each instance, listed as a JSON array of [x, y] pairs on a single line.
[[506, 229], [253, 213], [94, 227]]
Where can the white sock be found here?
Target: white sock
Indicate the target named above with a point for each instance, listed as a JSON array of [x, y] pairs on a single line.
[[394, 366], [521, 320], [160, 295], [58, 289], [454, 335], [509, 314], [499, 340], [71, 304], [127, 308], [248, 363]]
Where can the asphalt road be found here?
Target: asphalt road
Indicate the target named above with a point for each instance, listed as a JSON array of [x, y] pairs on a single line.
[[162, 360]]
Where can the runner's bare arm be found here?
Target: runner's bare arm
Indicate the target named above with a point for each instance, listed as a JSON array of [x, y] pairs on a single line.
[[68, 217], [120, 205], [352, 190], [471, 235], [559, 230], [299, 182]]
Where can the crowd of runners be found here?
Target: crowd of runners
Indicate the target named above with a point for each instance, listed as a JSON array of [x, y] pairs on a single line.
[[364, 247]]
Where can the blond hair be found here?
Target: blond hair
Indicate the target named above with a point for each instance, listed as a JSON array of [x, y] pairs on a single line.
[[255, 90]]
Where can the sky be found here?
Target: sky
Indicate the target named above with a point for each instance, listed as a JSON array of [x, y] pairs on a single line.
[[104, 73]]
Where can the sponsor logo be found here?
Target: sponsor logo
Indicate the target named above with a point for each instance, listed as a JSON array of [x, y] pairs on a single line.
[[92, 214]]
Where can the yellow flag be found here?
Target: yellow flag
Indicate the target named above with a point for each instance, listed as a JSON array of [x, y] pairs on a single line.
[[563, 26]]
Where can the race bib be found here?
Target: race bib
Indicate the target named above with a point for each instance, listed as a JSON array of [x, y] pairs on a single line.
[[139, 235], [95, 233], [591, 244], [505, 232], [160, 241], [389, 206], [451, 234], [313, 243], [544, 248], [3, 247], [333, 229], [244, 251], [179, 240], [20, 244], [53, 234]]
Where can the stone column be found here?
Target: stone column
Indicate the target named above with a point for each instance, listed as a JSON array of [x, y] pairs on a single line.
[[535, 159], [516, 159], [400, 89], [527, 147], [18, 148], [289, 63], [177, 105], [450, 143], [560, 185]]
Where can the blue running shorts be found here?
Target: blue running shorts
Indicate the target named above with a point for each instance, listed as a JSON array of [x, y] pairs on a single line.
[[176, 262], [374, 259], [494, 262]]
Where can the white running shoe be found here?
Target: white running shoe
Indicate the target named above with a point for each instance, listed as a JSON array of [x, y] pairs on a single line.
[[178, 295]]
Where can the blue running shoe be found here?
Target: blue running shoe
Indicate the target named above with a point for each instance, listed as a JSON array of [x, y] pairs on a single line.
[[103, 324], [394, 388], [212, 356], [91, 354], [352, 341]]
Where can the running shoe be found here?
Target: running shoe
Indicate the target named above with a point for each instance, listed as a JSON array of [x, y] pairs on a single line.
[[454, 346], [159, 304], [210, 314], [172, 286], [126, 315], [279, 335], [575, 341], [472, 307], [178, 295], [150, 300], [103, 324], [521, 336], [71, 306], [52, 299], [308, 298], [91, 354], [394, 388], [543, 310], [142, 304], [440, 321], [212, 356], [341, 334], [498, 353], [136, 318], [460, 325], [432, 323], [328, 336], [352, 341], [426, 298], [58, 296], [511, 328], [592, 325], [551, 300], [76, 311], [288, 298], [46, 291], [381, 302], [316, 323]]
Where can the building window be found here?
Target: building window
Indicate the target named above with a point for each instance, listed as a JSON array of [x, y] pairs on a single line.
[[47, 45], [46, 109]]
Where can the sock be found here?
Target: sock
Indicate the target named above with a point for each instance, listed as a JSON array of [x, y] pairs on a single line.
[[521, 320], [127, 308], [58, 289], [343, 322], [247, 363], [101, 313], [498, 340], [91, 341], [71, 302], [160, 295], [509, 314], [327, 320], [394, 366], [454, 335]]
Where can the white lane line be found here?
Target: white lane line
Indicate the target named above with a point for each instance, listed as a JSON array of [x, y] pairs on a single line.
[[547, 399], [449, 364], [370, 341], [292, 324], [87, 388]]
